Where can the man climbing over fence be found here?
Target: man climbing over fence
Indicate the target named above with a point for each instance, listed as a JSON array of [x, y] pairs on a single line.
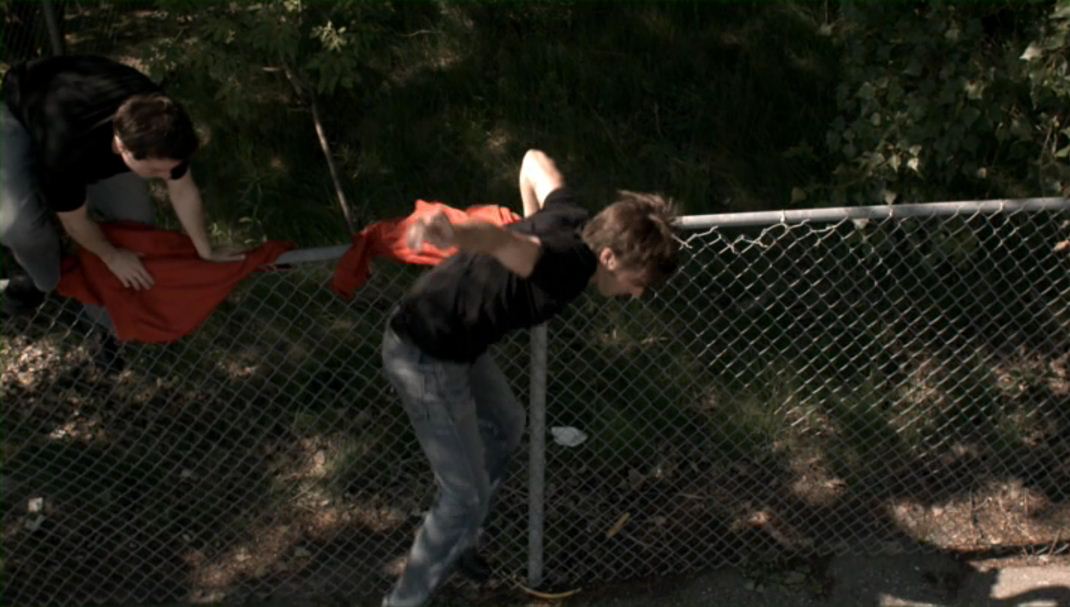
[[81, 135], [435, 347]]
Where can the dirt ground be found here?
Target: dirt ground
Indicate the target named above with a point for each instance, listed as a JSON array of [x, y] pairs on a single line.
[[899, 581], [931, 580]]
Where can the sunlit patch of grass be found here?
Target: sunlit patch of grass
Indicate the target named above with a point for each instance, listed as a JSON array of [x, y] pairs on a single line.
[[744, 425]]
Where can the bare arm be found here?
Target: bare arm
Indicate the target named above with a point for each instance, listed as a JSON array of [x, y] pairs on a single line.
[[126, 265], [517, 252], [186, 199], [538, 178]]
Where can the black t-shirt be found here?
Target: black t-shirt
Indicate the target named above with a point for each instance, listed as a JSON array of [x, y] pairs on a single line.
[[67, 104], [470, 301]]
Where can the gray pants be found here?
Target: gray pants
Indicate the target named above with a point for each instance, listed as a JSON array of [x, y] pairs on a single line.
[[26, 223], [468, 423]]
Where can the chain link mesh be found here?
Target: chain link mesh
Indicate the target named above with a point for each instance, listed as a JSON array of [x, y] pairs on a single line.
[[262, 456], [858, 387], [861, 387]]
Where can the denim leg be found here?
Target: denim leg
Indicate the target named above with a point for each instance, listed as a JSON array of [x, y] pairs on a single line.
[[438, 399], [501, 417], [25, 222]]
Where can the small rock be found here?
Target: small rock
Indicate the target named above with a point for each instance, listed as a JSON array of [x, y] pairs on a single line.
[[635, 479], [567, 436], [891, 547]]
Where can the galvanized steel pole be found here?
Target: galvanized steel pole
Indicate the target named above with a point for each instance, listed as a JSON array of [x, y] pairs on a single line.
[[537, 455]]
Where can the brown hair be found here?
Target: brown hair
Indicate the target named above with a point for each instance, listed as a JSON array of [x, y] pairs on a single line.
[[154, 126], [638, 229]]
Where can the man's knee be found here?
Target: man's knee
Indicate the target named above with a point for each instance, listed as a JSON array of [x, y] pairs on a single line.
[[464, 502], [46, 279], [137, 210], [40, 264], [142, 211], [35, 245]]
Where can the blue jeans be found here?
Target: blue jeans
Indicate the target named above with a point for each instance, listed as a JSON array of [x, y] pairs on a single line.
[[468, 423]]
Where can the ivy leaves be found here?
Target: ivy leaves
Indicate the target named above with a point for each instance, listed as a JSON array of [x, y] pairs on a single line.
[[950, 101]]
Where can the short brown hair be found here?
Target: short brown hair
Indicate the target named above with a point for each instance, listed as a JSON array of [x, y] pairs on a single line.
[[638, 229], [155, 126]]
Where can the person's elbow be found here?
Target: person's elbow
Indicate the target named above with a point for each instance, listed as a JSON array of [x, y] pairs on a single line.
[[541, 174], [73, 218], [183, 189], [534, 155], [518, 253]]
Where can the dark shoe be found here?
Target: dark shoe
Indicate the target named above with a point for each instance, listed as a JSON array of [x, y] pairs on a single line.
[[108, 358], [21, 297], [473, 566]]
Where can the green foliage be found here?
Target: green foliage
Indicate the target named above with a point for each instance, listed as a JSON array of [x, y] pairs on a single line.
[[948, 101], [320, 42], [1049, 76], [440, 100], [248, 73], [724, 106]]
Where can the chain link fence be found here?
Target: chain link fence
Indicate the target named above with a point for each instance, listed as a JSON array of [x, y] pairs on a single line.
[[893, 379], [887, 379]]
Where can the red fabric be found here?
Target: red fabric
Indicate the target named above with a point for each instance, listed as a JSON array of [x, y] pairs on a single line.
[[387, 239], [186, 291]]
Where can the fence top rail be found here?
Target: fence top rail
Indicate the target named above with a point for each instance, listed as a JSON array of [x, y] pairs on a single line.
[[312, 255], [795, 216], [835, 214]]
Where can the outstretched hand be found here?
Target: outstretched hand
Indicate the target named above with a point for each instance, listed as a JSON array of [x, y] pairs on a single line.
[[127, 267], [435, 230]]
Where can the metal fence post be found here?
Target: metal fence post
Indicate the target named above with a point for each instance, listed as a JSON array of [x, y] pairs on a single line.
[[54, 37], [537, 454]]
